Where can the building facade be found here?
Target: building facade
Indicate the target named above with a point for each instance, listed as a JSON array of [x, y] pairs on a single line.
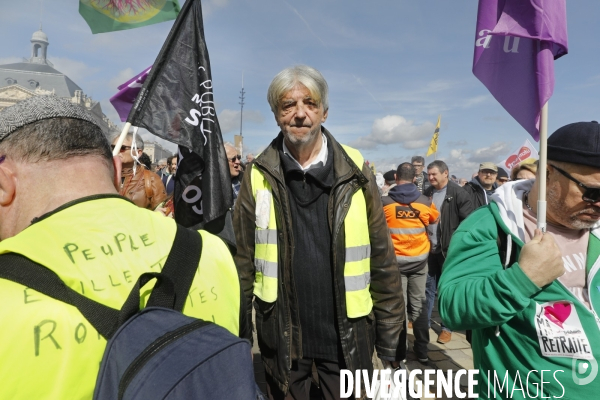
[[36, 76], [155, 151]]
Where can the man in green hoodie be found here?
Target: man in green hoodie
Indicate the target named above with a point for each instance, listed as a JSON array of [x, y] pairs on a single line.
[[531, 299]]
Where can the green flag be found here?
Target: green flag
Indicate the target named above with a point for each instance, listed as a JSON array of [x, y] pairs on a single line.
[[116, 15]]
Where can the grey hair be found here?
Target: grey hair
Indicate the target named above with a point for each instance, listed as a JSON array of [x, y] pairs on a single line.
[[290, 77], [139, 142], [162, 161], [56, 139], [439, 164], [230, 145], [419, 159]]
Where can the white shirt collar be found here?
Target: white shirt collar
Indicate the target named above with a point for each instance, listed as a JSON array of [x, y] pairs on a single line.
[[321, 157]]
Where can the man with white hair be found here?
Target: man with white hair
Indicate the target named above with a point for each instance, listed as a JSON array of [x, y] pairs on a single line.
[[314, 251]]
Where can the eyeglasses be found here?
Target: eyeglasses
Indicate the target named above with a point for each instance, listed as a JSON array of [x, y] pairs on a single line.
[[123, 148], [417, 165], [2, 158], [590, 195], [238, 157], [488, 171]]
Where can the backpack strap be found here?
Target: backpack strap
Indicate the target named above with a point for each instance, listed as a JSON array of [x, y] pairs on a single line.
[[20, 269], [180, 267]]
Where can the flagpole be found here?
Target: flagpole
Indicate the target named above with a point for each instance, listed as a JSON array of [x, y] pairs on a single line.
[[541, 204], [119, 143]]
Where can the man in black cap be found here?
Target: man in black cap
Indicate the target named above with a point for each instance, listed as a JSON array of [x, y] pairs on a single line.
[[532, 298], [502, 177]]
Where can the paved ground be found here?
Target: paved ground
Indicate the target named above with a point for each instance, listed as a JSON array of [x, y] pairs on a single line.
[[453, 355]]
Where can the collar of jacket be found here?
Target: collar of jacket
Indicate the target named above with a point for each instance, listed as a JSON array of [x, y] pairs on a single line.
[[343, 166]]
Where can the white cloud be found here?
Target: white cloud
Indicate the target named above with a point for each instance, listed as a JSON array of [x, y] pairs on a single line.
[[209, 6], [460, 164], [10, 60], [229, 120], [465, 162], [78, 71], [396, 130], [473, 101], [122, 77], [491, 153]]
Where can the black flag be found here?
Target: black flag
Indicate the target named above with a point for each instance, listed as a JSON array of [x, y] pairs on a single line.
[[176, 103]]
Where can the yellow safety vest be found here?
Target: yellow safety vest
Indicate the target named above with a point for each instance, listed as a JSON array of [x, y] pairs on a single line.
[[99, 248], [357, 266]]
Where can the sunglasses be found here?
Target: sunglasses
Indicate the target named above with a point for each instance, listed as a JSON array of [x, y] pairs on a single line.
[[590, 195], [123, 148], [238, 157]]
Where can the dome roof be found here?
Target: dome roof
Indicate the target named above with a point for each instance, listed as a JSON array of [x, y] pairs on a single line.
[[39, 36]]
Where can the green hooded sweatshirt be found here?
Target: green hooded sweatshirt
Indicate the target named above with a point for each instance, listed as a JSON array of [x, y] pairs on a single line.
[[528, 342]]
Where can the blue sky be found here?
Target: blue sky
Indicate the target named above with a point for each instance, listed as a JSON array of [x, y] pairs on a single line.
[[392, 67]]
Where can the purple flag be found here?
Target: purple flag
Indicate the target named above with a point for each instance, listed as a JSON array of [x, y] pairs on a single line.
[[128, 91], [516, 43]]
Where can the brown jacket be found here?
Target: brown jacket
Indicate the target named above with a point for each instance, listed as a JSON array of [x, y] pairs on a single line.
[[277, 325], [145, 189]]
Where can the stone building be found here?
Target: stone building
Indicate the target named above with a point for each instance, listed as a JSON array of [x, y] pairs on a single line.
[[36, 76], [156, 152]]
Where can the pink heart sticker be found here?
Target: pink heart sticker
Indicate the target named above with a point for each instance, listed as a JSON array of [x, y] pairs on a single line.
[[558, 313]]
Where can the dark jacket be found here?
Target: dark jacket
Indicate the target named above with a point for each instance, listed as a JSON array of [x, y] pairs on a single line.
[[477, 193], [279, 336], [457, 206]]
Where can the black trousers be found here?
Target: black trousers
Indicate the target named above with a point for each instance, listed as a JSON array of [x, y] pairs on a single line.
[[301, 379]]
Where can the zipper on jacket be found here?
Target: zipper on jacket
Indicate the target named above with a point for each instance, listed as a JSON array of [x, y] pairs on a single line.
[[154, 348], [590, 277]]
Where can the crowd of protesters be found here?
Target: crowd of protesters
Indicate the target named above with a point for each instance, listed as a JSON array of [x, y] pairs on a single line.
[[332, 263]]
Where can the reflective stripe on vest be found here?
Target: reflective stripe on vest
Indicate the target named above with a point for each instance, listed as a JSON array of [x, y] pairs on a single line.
[[99, 248], [357, 267], [265, 239]]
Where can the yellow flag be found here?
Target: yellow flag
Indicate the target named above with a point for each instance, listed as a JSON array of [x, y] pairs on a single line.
[[434, 140]]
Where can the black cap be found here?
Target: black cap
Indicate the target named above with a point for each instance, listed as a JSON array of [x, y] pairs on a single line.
[[502, 173], [577, 143], [389, 176]]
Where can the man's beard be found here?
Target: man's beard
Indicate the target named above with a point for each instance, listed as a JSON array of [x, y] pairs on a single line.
[[557, 206], [302, 141]]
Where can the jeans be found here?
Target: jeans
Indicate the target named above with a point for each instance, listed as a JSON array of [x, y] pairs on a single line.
[[413, 287], [435, 262]]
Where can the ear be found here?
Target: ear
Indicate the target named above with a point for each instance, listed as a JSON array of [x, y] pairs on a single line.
[[8, 186], [325, 114], [117, 164]]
